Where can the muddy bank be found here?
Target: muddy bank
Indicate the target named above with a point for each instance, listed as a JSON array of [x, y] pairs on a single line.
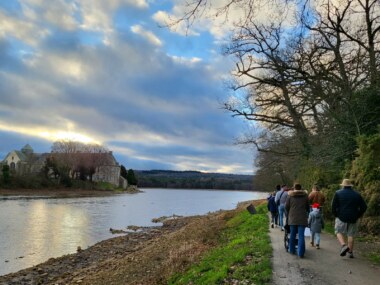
[[147, 256], [69, 269]]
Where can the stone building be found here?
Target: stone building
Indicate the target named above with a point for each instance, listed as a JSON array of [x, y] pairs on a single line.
[[104, 166]]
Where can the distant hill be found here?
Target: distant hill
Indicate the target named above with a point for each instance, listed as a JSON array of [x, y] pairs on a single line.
[[192, 180]]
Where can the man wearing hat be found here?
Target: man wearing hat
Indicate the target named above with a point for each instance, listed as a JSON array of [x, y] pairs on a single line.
[[347, 206]]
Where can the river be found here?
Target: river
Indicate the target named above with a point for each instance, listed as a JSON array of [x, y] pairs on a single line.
[[33, 230]]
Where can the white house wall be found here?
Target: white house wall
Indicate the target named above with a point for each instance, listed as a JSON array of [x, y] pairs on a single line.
[[13, 157]]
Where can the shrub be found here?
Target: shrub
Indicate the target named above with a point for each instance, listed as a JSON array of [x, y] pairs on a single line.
[[366, 173], [6, 174]]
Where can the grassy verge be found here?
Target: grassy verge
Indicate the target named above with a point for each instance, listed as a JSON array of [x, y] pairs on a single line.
[[243, 254], [329, 228], [374, 257]]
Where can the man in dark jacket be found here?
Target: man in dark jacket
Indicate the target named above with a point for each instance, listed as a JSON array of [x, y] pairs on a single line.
[[347, 206]]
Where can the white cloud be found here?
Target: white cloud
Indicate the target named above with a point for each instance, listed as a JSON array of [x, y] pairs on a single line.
[[185, 60], [138, 3], [117, 93], [220, 25], [165, 19], [59, 12], [97, 14], [148, 35], [24, 31]]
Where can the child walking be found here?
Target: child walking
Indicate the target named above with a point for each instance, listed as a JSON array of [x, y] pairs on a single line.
[[316, 225], [272, 208]]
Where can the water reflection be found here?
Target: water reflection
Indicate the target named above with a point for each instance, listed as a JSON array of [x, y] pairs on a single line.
[[34, 230], [55, 227]]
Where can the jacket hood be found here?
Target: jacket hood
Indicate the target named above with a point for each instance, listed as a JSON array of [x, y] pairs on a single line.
[[297, 193]]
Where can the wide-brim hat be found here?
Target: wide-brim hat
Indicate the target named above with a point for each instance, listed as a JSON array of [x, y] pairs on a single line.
[[346, 182]]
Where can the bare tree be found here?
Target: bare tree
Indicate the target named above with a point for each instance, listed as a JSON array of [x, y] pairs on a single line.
[[79, 160], [302, 77]]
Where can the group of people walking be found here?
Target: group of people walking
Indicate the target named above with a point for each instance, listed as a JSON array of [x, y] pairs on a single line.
[[298, 210]]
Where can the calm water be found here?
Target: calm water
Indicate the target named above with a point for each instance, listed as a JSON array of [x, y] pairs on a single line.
[[34, 230]]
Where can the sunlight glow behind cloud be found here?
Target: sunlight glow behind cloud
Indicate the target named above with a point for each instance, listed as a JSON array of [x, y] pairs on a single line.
[[104, 72], [50, 135]]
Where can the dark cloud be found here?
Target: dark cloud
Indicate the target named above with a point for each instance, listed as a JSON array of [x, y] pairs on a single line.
[[154, 110]]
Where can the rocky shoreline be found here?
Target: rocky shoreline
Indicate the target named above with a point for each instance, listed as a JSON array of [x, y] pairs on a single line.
[[69, 269], [145, 256]]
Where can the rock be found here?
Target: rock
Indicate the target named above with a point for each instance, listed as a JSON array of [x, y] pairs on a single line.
[[133, 228], [133, 189], [79, 249], [114, 231]]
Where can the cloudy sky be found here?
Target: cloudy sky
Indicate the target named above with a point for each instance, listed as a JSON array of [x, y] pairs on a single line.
[[106, 72]]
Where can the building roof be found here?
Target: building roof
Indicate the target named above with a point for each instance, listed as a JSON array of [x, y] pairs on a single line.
[[27, 148], [21, 155]]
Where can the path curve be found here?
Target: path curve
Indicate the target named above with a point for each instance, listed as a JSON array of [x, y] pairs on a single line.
[[319, 267]]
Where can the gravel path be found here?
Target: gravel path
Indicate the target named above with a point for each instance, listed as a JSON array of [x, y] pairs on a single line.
[[320, 267]]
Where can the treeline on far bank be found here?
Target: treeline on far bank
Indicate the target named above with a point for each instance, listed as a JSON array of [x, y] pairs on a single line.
[[192, 180]]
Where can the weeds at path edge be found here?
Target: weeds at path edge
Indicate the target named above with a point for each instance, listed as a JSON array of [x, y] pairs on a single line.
[[243, 254]]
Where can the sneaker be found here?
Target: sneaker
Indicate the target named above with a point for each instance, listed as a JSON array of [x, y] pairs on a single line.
[[282, 228], [317, 246], [311, 243], [272, 225], [350, 254], [344, 250]]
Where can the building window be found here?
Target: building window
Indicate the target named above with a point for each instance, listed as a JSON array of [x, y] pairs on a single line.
[[12, 166]]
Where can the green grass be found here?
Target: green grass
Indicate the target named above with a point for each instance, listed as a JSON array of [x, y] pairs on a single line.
[[243, 254], [375, 258], [108, 187], [329, 227]]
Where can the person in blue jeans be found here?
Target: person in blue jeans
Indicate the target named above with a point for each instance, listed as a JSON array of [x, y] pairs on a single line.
[[316, 224], [272, 208], [280, 201], [297, 207]]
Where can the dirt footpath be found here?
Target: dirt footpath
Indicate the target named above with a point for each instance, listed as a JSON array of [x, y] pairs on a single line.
[[320, 267]]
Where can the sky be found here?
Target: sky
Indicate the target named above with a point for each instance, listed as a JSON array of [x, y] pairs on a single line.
[[108, 72]]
